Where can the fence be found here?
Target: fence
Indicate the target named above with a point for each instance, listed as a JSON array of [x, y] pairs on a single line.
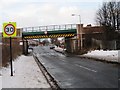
[[0, 50], [107, 45], [49, 28], [16, 49]]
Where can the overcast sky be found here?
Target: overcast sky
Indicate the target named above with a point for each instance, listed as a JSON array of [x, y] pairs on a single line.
[[48, 12]]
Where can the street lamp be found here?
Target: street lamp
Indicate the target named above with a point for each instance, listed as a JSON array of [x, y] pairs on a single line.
[[80, 29]]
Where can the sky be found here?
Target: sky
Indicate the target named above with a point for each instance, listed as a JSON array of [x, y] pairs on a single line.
[[30, 13]]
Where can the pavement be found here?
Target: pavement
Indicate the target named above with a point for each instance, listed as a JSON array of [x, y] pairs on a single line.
[[26, 74]]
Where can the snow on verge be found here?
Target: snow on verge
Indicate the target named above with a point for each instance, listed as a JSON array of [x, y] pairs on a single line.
[[26, 75], [103, 55], [112, 55]]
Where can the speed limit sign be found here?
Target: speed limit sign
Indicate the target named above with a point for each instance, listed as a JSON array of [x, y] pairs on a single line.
[[9, 29]]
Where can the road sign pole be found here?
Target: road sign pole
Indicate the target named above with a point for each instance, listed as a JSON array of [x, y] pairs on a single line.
[[9, 30], [11, 56]]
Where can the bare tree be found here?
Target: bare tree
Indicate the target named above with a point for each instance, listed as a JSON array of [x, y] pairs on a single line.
[[109, 17], [118, 15]]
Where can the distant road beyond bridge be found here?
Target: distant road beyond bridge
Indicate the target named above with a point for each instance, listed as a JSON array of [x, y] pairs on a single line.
[[51, 31]]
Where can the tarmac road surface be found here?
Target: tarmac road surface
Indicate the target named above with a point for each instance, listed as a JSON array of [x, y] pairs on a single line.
[[76, 72]]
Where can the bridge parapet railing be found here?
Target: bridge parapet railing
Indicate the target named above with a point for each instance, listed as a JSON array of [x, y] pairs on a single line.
[[49, 28]]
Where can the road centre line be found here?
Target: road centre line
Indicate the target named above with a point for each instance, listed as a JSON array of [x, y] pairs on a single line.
[[85, 68]]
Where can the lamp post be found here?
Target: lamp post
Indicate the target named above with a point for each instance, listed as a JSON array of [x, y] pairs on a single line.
[[80, 29]]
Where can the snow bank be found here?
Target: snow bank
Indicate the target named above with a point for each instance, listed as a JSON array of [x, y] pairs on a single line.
[[59, 49], [26, 75], [103, 55], [112, 55]]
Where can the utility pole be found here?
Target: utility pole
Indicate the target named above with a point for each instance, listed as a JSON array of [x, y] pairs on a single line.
[[80, 31]]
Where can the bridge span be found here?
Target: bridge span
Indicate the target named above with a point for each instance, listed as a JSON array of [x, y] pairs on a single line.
[[52, 31]]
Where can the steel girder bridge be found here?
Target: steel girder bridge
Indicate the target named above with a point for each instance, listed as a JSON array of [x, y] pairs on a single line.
[[52, 31]]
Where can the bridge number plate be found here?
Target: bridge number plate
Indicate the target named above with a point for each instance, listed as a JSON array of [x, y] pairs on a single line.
[[9, 29]]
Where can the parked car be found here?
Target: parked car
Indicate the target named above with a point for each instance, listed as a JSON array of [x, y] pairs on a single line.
[[52, 46], [30, 47]]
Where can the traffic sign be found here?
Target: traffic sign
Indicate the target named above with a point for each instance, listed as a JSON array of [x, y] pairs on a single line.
[[9, 29]]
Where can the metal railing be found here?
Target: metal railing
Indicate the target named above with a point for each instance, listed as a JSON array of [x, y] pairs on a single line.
[[49, 28]]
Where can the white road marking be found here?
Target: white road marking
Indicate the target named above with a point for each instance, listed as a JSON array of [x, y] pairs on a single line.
[[43, 63], [86, 68], [63, 60]]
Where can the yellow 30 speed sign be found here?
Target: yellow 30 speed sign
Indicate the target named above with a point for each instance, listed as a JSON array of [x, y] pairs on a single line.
[[9, 29]]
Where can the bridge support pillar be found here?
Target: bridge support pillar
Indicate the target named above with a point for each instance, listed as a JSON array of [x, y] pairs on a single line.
[[69, 45], [80, 36], [25, 47]]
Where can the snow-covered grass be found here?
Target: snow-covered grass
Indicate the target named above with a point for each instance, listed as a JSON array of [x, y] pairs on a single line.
[[26, 75], [111, 55]]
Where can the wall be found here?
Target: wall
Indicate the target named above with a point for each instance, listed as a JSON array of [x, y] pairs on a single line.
[[87, 34], [93, 38]]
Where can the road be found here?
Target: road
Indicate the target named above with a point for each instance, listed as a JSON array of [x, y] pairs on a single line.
[[76, 72]]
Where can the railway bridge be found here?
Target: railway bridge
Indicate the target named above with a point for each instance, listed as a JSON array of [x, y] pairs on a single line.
[[52, 31]]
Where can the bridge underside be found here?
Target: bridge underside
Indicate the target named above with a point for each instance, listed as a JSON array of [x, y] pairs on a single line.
[[48, 36]]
